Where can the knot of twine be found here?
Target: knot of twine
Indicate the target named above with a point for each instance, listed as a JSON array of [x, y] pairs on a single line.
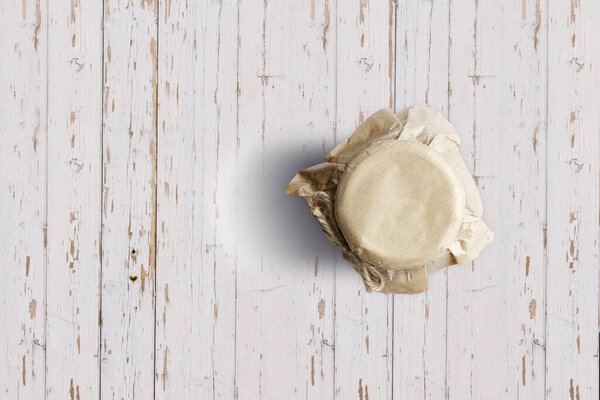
[[322, 208]]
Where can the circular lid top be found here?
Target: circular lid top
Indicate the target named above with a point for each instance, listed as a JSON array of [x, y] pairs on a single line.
[[399, 204]]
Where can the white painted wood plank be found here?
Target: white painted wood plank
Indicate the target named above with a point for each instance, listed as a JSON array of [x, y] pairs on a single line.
[[250, 213], [420, 320], [196, 197], [462, 280], [184, 282], [495, 309], [220, 191], [249, 199], [510, 114], [363, 330], [23, 198], [128, 196], [299, 86], [284, 342], [573, 169], [74, 199]]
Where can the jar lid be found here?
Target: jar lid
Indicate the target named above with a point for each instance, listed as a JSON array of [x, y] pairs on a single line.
[[397, 199], [399, 204]]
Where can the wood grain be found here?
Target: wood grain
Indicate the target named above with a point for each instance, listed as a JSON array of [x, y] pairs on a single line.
[[463, 286], [74, 151], [363, 323], [286, 112], [572, 202], [129, 198], [23, 108], [195, 325], [155, 138], [508, 289], [420, 320]]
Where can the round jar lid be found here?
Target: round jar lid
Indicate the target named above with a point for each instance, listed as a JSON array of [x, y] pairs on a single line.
[[399, 204]]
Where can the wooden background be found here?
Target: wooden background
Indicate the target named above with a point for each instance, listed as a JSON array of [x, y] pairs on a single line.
[[155, 137]]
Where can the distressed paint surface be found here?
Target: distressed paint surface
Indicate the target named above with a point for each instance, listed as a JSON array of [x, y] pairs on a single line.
[[573, 164], [147, 248], [23, 111], [363, 323], [286, 114], [420, 320], [74, 170], [499, 305], [128, 198]]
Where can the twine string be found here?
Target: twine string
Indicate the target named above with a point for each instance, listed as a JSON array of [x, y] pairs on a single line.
[[322, 208]]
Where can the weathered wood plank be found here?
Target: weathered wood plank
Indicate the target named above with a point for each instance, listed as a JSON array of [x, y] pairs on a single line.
[[495, 308], [420, 320], [462, 281], [74, 199], [573, 170], [285, 266], [363, 325], [184, 303], [510, 112], [23, 98], [129, 199], [250, 131], [195, 337], [220, 192]]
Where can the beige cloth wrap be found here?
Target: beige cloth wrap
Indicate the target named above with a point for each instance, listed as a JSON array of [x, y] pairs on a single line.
[[397, 199]]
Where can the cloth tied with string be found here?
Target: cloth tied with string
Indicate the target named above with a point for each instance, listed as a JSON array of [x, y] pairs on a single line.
[[397, 199]]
